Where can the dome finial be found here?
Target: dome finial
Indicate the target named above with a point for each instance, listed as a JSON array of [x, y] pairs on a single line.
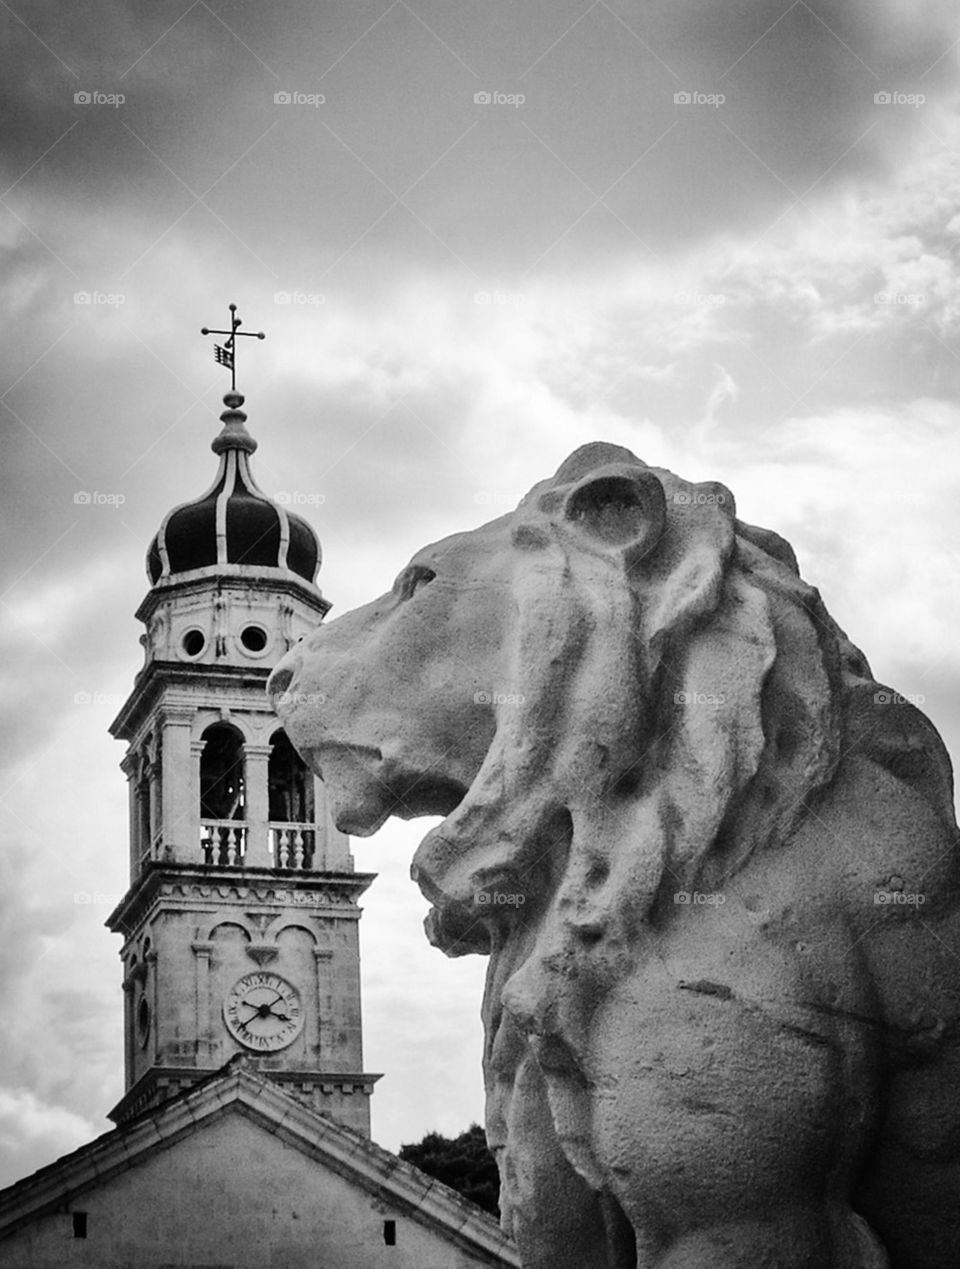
[[234, 434]]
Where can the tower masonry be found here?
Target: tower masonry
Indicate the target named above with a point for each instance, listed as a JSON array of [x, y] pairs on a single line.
[[240, 924]]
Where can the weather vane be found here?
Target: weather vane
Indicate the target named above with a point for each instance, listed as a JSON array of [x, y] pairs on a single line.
[[226, 355]]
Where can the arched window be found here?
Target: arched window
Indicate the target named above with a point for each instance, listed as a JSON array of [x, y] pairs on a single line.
[[291, 810], [290, 784], [222, 792], [156, 789], [222, 796], [144, 816]]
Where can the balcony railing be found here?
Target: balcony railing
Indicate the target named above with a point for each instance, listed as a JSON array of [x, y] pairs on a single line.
[[292, 845], [223, 842]]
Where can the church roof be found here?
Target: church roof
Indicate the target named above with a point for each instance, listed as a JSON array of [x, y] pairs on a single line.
[[234, 522], [239, 1088]]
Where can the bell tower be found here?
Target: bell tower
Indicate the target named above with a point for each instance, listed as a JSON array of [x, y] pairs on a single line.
[[240, 924]]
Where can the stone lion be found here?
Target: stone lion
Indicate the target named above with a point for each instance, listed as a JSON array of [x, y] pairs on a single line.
[[712, 861]]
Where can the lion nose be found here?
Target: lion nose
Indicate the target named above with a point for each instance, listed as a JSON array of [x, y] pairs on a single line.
[[281, 680]]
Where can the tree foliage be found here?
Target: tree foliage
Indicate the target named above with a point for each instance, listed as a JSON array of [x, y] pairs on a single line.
[[464, 1163]]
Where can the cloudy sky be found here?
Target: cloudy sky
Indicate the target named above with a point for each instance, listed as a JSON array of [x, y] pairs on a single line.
[[724, 235]]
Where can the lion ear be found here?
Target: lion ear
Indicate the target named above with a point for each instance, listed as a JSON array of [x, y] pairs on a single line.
[[620, 509]]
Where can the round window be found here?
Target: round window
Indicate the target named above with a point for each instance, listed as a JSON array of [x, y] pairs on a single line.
[[193, 642], [253, 638]]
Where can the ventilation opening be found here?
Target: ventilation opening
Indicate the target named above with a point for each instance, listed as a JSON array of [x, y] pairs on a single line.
[[193, 643], [79, 1224], [143, 1020], [390, 1233], [253, 638]]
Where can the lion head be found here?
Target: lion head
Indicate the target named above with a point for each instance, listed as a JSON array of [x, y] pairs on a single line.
[[617, 696]]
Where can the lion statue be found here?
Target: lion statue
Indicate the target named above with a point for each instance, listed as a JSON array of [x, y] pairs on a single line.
[[712, 861]]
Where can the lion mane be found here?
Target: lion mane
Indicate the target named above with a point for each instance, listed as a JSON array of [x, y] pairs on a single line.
[[677, 690]]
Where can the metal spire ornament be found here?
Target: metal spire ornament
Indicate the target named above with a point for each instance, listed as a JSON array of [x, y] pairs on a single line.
[[227, 354]]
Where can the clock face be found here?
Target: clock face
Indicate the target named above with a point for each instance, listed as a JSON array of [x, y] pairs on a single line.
[[263, 1012]]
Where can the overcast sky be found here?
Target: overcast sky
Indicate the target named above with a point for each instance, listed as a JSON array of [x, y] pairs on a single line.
[[477, 235]]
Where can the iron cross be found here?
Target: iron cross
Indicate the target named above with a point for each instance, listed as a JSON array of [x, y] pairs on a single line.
[[226, 356]]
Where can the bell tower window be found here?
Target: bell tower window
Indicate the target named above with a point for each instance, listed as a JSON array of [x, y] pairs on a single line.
[[144, 829], [291, 805], [222, 795], [148, 799]]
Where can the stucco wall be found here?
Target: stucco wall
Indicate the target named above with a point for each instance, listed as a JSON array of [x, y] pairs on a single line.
[[230, 1195]]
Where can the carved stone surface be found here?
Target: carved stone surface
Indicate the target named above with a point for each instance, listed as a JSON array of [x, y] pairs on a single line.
[[712, 860]]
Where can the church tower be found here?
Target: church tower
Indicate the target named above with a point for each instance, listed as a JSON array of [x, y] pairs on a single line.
[[240, 924]]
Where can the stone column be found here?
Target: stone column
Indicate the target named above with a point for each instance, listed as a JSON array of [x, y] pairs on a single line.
[[180, 787], [257, 761], [129, 767]]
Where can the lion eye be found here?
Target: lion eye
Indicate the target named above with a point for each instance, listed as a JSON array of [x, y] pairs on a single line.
[[411, 579]]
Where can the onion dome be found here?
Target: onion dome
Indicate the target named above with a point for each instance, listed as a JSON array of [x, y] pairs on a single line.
[[234, 522]]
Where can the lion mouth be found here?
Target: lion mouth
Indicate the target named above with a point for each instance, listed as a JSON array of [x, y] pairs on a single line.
[[344, 747], [365, 788]]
